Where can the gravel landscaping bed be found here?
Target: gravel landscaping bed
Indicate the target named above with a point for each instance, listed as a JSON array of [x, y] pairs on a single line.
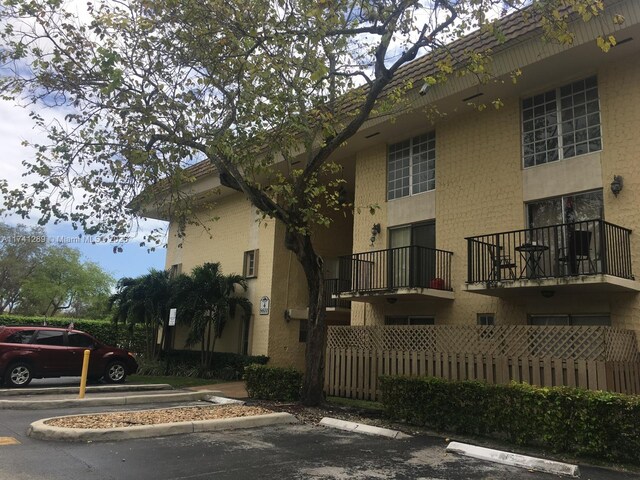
[[157, 416]]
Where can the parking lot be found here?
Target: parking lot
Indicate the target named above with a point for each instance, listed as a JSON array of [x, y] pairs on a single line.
[[302, 451]]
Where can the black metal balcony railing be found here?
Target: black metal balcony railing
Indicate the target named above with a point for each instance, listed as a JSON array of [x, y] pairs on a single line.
[[330, 289], [393, 268], [569, 249]]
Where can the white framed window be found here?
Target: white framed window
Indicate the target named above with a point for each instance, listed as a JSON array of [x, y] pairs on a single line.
[[411, 166], [561, 123], [250, 267]]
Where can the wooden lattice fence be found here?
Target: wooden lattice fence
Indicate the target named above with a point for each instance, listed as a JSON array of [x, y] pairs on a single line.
[[593, 357]]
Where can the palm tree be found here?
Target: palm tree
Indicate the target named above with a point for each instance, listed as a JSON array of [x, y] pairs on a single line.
[[144, 300], [206, 300]]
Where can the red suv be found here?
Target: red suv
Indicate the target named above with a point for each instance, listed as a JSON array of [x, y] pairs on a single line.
[[41, 352]]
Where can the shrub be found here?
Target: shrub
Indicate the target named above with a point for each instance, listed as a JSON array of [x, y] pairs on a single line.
[[104, 330], [595, 423], [273, 383], [226, 366], [157, 368]]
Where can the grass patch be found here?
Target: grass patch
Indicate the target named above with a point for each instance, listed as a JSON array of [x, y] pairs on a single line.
[[351, 403], [176, 382]]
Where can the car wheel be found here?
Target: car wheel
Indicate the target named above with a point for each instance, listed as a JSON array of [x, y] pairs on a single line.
[[116, 372], [18, 375]]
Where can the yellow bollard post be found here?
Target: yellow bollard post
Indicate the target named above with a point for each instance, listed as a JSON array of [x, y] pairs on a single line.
[[85, 370]]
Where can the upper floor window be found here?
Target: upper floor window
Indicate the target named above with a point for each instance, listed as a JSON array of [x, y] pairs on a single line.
[[577, 207], [175, 270], [561, 123], [411, 166], [250, 267]]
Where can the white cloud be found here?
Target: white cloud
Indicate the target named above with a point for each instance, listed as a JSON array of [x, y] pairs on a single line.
[[15, 127]]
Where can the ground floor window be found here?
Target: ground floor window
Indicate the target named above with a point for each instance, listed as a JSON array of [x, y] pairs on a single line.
[[246, 325], [303, 332], [570, 319], [486, 319], [409, 320]]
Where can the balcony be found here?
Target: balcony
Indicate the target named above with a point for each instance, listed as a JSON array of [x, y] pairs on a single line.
[[592, 255], [409, 272], [330, 292]]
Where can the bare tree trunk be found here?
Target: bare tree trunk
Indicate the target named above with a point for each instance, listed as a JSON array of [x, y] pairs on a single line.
[[202, 357], [213, 345], [312, 390], [208, 352]]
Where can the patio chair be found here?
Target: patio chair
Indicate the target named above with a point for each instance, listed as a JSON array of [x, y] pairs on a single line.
[[501, 263], [577, 255]]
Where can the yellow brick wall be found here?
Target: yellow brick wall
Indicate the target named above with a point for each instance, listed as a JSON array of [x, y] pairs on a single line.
[[620, 114], [289, 289], [236, 230], [280, 276], [479, 190]]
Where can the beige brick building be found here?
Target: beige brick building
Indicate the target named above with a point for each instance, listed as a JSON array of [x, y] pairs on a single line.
[[495, 216]]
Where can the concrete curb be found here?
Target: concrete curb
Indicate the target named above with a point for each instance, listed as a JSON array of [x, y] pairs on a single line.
[[14, 392], [223, 400], [106, 401], [514, 459], [362, 428], [47, 432]]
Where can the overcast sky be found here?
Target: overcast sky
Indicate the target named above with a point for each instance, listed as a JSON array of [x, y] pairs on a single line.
[[16, 126]]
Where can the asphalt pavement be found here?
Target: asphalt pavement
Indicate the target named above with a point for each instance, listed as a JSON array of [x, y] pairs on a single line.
[[300, 451]]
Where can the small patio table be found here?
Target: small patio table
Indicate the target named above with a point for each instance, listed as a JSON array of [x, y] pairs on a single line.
[[532, 253]]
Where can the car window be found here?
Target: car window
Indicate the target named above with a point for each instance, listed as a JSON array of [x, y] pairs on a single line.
[[79, 340], [50, 337], [23, 336]]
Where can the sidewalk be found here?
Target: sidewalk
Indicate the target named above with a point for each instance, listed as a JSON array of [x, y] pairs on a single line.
[[67, 397], [235, 390]]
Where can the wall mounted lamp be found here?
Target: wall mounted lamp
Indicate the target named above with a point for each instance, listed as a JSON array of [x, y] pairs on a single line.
[[616, 185], [547, 293], [375, 231]]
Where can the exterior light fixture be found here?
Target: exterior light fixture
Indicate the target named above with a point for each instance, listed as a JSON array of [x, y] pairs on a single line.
[[375, 231], [616, 185], [547, 293]]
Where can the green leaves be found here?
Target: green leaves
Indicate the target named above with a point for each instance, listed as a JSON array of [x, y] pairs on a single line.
[[273, 383], [206, 300], [561, 418], [605, 44]]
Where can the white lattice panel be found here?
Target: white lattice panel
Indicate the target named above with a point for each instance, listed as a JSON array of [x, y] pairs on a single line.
[[584, 342]]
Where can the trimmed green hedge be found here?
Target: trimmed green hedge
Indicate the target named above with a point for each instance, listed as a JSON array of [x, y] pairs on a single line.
[[273, 383], [597, 424], [104, 330], [226, 366]]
